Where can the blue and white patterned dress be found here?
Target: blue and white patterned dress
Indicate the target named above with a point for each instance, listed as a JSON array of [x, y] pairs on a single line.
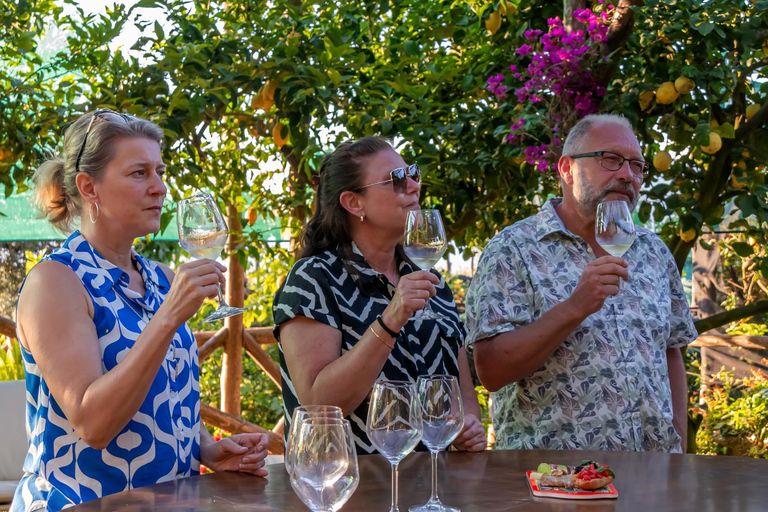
[[162, 440]]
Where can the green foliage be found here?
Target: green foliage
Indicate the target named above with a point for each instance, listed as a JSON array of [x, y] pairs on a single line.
[[735, 417], [11, 364]]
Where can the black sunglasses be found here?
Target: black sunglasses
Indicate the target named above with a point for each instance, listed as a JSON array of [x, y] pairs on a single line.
[[399, 178], [100, 112], [613, 162]]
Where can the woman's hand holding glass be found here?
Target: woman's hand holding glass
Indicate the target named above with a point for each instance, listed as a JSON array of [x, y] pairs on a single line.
[[412, 293], [192, 284]]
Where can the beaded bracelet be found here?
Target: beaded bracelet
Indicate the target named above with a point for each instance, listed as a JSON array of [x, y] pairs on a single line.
[[384, 326]]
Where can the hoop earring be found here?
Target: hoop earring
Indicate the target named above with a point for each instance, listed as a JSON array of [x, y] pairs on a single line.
[[90, 212], [362, 218]]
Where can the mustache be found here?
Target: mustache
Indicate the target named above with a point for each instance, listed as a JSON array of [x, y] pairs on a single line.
[[621, 188]]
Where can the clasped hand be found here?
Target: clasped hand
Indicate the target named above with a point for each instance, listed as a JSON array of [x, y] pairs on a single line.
[[240, 452]]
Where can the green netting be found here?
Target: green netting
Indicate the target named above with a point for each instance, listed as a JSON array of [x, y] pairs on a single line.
[[20, 221]]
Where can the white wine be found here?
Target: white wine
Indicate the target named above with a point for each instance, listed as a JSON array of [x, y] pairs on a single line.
[[394, 445], [204, 244], [425, 256], [616, 245]]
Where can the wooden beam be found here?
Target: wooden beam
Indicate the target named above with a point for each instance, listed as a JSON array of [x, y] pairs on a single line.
[[7, 327], [212, 416], [207, 348], [724, 340], [262, 359], [280, 426], [232, 361]]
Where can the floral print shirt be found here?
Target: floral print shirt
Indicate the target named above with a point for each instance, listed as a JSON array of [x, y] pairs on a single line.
[[607, 386]]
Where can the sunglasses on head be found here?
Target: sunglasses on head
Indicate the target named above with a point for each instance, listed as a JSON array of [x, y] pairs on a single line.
[[399, 178], [100, 113]]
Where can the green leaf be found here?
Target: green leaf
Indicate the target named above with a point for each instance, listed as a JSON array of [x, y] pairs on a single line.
[[725, 131], [411, 48], [743, 249], [701, 137]]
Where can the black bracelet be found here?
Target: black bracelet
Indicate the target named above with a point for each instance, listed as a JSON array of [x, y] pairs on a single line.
[[384, 326]]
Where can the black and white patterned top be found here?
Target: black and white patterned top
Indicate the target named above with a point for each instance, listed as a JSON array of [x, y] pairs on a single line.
[[339, 288]]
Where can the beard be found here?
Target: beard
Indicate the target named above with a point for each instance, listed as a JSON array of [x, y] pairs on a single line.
[[588, 197]]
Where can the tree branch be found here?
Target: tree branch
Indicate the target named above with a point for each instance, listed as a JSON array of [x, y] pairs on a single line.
[[748, 71], [726, 317], [7, 327], [685, 118], [757, 120], [618, 34]]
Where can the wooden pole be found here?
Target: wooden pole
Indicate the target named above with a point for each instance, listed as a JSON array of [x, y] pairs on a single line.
[[7, 327], [232, 362], [205, 347]]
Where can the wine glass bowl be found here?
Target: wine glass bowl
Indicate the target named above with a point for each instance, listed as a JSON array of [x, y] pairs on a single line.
[[203, 234], [614, 228], [298, 416], [324, 470], [425, 243]]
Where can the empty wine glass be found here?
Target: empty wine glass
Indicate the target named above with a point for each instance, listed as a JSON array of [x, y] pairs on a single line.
[[614, 228], [203, 234], [425, 243], [300, 414], [324, 469], [442, 418], [393, 425]]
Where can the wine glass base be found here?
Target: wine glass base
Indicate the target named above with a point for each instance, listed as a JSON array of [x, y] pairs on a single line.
[[429, 315], [433, 507], [223, 312]]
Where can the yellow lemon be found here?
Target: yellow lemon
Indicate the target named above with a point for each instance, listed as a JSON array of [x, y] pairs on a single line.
[[645, 99], [684, 85], [277, 135], [715, 143], [662, 160], [260, 101], [736, 182], [251, 215], [752, 110], [493, 23], [269, 89], [742, 165], [666, 93], [688, 235]]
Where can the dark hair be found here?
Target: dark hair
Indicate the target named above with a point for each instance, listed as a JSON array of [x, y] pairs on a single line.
[[340, 171], [56, 194]]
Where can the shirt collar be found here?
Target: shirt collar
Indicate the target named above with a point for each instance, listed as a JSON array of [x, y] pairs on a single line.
[[363, 270], [548, 221], [84, 252]]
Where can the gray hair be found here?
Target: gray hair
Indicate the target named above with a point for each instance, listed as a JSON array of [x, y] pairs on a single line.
[[576, 136], [56, 194]]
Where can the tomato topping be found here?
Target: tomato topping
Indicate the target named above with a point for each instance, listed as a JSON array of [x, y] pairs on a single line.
[[590, 472]]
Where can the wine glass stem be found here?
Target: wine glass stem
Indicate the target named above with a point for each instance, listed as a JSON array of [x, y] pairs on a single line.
[[221, 298], [427, 308], [434, 497], [395, 490]]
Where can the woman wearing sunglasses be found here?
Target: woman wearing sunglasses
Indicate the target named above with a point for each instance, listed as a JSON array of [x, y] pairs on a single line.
[[112, 374], [343, 314]]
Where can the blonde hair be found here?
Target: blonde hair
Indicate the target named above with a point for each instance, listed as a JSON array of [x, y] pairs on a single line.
[[55, 193]]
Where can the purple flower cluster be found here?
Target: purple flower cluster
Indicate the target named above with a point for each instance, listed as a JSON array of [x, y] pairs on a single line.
[[553, 73]]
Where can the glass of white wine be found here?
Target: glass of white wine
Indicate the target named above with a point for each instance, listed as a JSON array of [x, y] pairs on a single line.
[[203, 234], [393, 425], [614, 228], [425, 243], [441, 412]]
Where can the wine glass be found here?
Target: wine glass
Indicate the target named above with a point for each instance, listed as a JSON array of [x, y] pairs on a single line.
[[442, 418], [614, 228], [425, 243], [203, 234], [393, 425], [300, 414], [324, 471]]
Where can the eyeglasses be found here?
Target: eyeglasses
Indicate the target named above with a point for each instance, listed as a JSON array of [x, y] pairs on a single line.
[[614, 162], [399, 178], [100, 112]]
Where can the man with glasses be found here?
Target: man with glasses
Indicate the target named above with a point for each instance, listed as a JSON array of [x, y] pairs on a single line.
[[575, 361]]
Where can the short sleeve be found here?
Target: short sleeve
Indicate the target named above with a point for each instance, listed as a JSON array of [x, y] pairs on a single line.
[[500, 297], [306, 292], [681, 328]]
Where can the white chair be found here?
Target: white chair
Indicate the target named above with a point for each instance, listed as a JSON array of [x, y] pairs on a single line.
[[13, 436]]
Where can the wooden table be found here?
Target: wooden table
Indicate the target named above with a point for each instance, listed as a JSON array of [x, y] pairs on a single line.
[[489, 481]]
